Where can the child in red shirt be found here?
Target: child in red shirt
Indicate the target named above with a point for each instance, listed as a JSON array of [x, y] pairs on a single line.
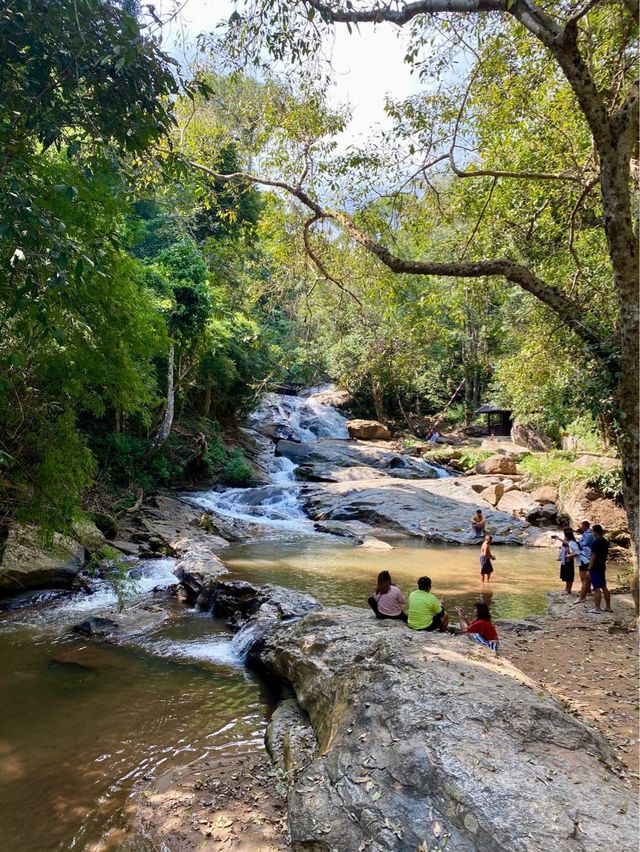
[[481, 629]]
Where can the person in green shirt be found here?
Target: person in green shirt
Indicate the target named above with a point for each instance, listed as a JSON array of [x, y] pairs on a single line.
[[426, 612]]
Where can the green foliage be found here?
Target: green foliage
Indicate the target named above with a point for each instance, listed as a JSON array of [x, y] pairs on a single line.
[[609, 482], [228, 467], [110, 565], [555, 469]]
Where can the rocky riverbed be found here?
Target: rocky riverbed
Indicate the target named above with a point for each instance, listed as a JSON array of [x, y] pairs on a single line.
[[404, 741]]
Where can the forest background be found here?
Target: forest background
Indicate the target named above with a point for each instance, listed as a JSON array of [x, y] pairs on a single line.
[[147, 301]]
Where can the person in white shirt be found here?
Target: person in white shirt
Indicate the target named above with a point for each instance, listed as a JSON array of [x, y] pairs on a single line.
[[569, 552]]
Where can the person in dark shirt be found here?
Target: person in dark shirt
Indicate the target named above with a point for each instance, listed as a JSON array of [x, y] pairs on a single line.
[[597, 570]]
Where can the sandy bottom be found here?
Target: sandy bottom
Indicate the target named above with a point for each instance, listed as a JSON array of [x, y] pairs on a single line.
[[232, 801]]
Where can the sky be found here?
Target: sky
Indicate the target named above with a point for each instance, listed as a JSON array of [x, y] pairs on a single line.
[[367, 66]]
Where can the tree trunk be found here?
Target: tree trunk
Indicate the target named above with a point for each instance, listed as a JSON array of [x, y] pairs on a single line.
[[623, 249], [164, 430], [378, 398]]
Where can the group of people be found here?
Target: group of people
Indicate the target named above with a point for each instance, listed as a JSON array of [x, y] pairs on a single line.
[[590, 552], [426, 612]]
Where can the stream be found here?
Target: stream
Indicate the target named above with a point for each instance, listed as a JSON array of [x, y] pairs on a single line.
[[81, 722]]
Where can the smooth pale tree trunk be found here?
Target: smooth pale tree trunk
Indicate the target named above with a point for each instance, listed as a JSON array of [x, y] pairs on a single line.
[[164, 430]]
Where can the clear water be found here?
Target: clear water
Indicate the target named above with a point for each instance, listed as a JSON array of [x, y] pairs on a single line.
[[80, 722], [338, 573]]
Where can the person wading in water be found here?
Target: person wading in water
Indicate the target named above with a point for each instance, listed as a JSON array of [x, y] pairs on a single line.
[[486, 558]]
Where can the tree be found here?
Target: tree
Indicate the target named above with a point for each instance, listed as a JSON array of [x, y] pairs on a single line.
[[592, 51]]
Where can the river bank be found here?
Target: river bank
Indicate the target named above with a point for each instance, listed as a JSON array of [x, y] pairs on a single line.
[[360, 506]]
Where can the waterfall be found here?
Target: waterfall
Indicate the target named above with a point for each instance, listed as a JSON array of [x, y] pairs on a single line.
[[276, 505]]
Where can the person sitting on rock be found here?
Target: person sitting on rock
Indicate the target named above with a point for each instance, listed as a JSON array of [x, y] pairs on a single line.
[[426, 612], [387, 600], [481, 629], [477, 523], [486, 558]]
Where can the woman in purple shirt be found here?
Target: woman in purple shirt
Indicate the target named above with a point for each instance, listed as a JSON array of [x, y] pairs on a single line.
[[387, 600]]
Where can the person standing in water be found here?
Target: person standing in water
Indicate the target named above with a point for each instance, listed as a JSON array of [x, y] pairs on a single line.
[[486, 558], [387, 600]]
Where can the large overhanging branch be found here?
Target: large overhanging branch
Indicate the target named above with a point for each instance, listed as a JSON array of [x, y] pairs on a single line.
[[564, 307], [559, 37]]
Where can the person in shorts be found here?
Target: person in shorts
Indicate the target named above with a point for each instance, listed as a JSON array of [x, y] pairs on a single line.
[[598, 570], [586, 540], [426, 612], [478, 523], [486, 558]]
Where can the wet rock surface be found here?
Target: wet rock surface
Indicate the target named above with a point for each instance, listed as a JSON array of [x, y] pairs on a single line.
[[113, 625], [427, 741]]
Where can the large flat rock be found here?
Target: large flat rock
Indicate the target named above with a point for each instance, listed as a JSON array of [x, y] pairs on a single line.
[[433, 509], [430, 742]]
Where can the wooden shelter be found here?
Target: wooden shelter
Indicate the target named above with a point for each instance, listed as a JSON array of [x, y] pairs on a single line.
[[499, 420]]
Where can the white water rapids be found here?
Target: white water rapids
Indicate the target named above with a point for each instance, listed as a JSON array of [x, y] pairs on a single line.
[[278, 505]]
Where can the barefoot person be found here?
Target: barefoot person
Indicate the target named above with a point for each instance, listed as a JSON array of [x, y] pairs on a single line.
[[486, 559], [387, 600], [597, 570], [586, 540], [426, 612], [569, 551], [477, 523], [481, 629]]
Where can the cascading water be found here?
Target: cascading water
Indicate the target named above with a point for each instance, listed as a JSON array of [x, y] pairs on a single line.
[[277, 505]]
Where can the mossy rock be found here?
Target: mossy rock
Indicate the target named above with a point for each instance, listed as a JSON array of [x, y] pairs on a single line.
[[107, 524]]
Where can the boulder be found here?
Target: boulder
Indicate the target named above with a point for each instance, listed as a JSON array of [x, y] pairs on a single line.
[[257, 611], [510, 485], [333, 397], [529, 437], [368, 430], [88, 534], [433, 509], [106, 523], [290, 739], [601, 462], [199, 570], [517, 503], [28, 564], [294, 450], [545, 494], [113, 625], [584, 501], [497, 464], [493, 493], [372, 543], [428, 741], [548, 513]]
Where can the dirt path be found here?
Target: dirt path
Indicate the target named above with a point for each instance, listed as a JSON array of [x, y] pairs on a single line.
[[226, 801], [593, 669]]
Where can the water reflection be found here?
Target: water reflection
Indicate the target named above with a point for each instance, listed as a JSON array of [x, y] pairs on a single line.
[[338, 573]]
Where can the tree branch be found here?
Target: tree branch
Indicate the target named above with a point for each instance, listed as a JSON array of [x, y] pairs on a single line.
[[564, 307]]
